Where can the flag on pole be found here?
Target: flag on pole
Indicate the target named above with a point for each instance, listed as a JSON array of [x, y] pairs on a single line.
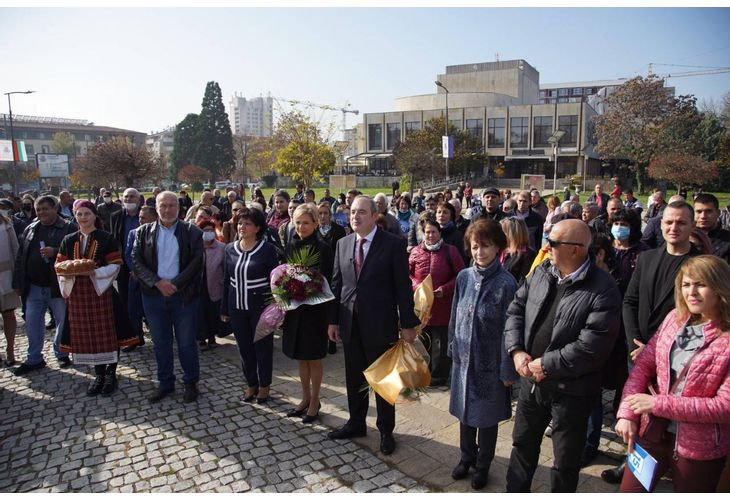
[[19, 151]]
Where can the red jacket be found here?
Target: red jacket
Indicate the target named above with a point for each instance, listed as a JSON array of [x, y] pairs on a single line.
[[702, 412], [422, 262]]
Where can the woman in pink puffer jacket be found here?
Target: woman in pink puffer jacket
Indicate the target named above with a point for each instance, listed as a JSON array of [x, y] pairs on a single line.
[[689, 357]]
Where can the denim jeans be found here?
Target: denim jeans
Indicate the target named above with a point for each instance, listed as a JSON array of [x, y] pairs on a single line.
[[38, 300], [165, 314], [134, 303]]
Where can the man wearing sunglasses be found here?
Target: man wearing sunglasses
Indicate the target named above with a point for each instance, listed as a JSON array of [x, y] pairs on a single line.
[[560, 330]]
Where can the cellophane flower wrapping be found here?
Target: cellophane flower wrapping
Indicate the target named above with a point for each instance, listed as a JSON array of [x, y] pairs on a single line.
[[400, 367], [270, 320]]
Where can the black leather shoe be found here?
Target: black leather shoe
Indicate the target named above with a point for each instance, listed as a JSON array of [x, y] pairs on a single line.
[[479, 479], [387, 443], [308, 419], [615, 475], [25, 368], [65, 362], [191, 393], [159, 395], [297, 412], [331, 347], [438, 382], [348, 432], [110, 385], [96, 386], [461, 470]]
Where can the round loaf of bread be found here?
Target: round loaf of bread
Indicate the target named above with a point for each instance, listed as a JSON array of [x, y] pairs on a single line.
[[75, 266]]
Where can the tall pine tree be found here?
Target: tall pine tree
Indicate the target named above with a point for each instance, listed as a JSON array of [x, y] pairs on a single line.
[[185, 146], [215, 141]]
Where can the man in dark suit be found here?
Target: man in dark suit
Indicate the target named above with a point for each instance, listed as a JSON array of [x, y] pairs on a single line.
[[371, 284]]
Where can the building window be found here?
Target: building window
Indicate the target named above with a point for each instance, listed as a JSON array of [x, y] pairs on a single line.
[[519, 128], [375, 136], [475, 128], [29, 150], [393, 134], [455, 124], [495, 132], [542, 129], [543, 93], [41, 135], [24, 135], [578, 91], [45, 149], [562, 99], [87, 137], [553, 93], [412, 127], [568, 124], [563, 92]]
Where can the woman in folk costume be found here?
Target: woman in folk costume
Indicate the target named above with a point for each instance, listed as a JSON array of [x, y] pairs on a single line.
[[95, 322], [9, 299]]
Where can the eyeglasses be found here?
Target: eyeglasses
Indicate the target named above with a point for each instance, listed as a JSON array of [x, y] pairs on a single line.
[[555, 244]]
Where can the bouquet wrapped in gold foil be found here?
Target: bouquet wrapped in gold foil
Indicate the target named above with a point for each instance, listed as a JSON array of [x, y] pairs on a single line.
[[404, 366]]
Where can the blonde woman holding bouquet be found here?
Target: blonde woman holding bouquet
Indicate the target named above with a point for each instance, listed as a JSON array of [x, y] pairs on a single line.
[[305, 328]]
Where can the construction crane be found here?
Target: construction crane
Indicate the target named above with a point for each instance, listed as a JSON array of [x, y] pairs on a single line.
[[325, 107], [707, 70]]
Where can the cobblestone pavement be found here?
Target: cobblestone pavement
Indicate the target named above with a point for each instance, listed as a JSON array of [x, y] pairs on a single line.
[[54, 438]]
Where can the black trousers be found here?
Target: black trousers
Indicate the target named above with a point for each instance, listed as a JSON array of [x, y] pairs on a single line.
[[358, 356], [477, 445], [102, 370], [439, 341], [535, 409], [257, 359]]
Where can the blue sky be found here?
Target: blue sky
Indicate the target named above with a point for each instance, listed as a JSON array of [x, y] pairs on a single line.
[[145, 69]]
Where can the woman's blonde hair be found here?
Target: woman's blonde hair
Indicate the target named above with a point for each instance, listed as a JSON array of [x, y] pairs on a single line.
[[715, 274], [306, 208], [516, 231]]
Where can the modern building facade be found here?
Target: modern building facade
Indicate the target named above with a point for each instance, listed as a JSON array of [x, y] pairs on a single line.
[[37, 132], [252, 117], [497, 102], [162, 143]]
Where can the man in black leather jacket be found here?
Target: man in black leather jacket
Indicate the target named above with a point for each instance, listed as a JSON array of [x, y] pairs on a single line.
[[560, 330], [35, 280], [168, 262]]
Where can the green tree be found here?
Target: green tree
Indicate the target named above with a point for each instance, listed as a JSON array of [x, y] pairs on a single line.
[[185, 145], [255, 156], [304, 155], [419, 154], [193, 175], [215, 141]]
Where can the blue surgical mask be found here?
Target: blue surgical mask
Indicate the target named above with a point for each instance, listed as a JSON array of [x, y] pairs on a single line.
[[620, 233]]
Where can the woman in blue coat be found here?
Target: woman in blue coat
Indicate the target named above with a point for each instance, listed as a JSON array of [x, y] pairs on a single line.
[[481, 370]]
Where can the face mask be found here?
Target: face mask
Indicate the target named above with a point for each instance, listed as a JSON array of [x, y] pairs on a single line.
[[620, 233], [107, 199], [130, 206], [208, 236]]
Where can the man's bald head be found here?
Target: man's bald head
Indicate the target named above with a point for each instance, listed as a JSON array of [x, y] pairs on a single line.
[[569, 242], [676, 197]]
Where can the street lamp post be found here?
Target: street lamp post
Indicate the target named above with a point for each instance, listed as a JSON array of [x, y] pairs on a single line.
[[12, 136], [446, 125], [555, 140]]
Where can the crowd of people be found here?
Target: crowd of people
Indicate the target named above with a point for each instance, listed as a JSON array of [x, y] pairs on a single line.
[[550, 300]]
